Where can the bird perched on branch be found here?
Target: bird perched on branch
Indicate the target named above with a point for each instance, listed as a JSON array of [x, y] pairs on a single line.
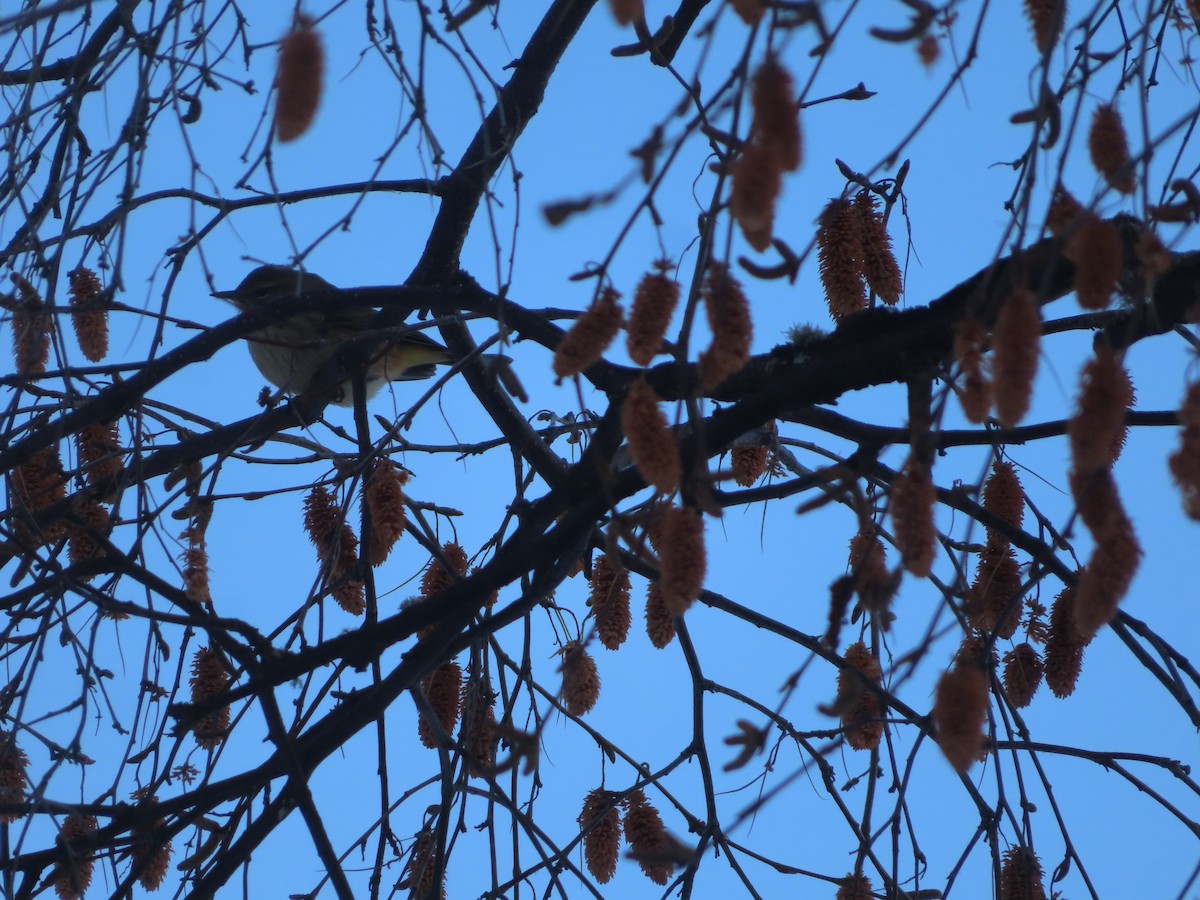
[[291, 352]]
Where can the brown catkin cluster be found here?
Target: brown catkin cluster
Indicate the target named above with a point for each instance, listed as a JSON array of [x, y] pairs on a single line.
[[749, 463], [660, 624], [422, 868], [1046, 18], [1065, 212], [88, 531], [728, 313], [626, 11], [443, 690], [195, 564], [654, 303], [385, 506], [1021, 876], [1064, 646], [589, 336], [1016, 339], [775, 124], [749, 11], [1096, 250], [647, 837], [854, 887], [839, 252], [73, 874], [1185, 462], [477, 735], [1022, 674], [651, 443], [36, 484], [1004, 498], [581, 679], [151, 856], [682, 558], [210, 677], [911, 502], [869, 574], [1097, 429], [337, 548], [994, 599], [610, 601], [13, 778], [959, 714], [862, 715], [31, 327], [100, 453], [301, 69], [975, 390], [602, 834], [879, 266], [756, 185], [1109, 149], [89, 315], [436, 579]]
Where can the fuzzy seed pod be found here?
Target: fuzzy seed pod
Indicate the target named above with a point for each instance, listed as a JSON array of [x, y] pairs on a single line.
[[1046, 18], [660, 626], [840, 253], [959, 713], [385, 506], [72, 875], [682, 559], [749, 11], [151, 856], [993, 602], [581, 679], [1097, 429], [975, 393], [1022, 674], [855, 887], [1106, 579], [443, 689], [590, 336], [609, 601], [1095, 248], [626, 11], [776, 124], [1003, 498], [86, 535], [436, 579], [37, 484], [1109, 149], [1064, 646], [879, 266], [929, 50], [1185, 462], [301, 69], [477, 734], [651, 443], [421, 869], [89, 315], [912, 500], [869, 572], [1015, 341], [860, 709], [729, 321], [757, 182], [1065, 212], [195, 566], [748, 464], [1021, 876], [13, 778], [602, 835], [210, 676], [31, 327], [647, 836], [654, 303], [100, 453], [337, 548]]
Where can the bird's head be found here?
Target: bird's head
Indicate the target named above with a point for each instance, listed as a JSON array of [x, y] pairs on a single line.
[[267, 283]]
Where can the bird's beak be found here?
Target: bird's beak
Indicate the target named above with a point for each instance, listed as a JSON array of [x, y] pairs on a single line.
[[228, 296]]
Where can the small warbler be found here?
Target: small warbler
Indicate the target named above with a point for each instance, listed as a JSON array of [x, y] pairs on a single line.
[[292, 351]]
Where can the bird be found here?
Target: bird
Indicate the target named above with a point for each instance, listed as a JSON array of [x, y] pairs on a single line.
[[292, 351]]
